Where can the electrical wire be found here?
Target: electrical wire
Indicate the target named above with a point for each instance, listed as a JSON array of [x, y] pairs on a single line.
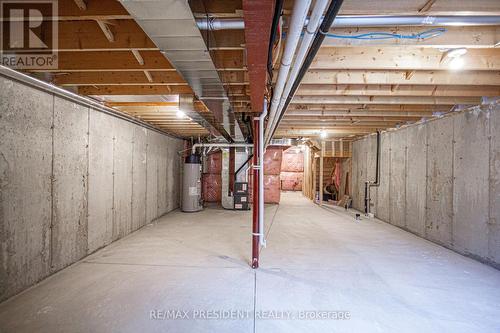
[[431, 33]]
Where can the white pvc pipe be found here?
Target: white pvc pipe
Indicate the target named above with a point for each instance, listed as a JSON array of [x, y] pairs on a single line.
[[262, 117], [312, 27], [299, 14], [220, 145]]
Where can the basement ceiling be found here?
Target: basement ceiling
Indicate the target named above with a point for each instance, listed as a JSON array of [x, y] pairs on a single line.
[[104, 54], [353, 87], [358, 86]]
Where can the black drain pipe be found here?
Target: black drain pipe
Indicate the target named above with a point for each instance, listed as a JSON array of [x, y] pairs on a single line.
[[274, 29], [376, 183], [331, 13], [242, 166]]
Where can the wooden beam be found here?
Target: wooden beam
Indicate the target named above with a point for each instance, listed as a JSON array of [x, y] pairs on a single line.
[[442, 7], [397, 90], [325, 115], [334, 108], [339, 133], [228, 59], [454, 37], [78, 36], [222, 7], [401, 58], [383, 100], [77, 10], [321, 170], [136, 104], [167, 84], [395, 77], [111, 61], [72, 8], [336, 125], [291, 119], [332, 127], [168, 108], [136, 77], [117, 78], [134, 69], [134, 90], [81, 36], [227, 39]]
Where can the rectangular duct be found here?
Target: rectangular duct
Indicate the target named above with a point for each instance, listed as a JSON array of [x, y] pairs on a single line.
[[172, 27]]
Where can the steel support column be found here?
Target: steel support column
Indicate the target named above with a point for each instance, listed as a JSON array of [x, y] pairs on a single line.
[[256, 188]]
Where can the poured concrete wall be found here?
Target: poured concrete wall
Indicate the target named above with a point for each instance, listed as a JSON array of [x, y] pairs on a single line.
[[439, 180], [72, 180]]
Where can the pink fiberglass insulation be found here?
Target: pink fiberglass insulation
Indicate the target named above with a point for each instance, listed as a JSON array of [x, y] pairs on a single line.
[[272, 193], [214, 163], [272, 161], [292, 161], [291, 181], [212, 187]]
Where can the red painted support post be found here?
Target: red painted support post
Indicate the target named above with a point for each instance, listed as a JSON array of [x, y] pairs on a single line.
[[258, 16], [255, 203]]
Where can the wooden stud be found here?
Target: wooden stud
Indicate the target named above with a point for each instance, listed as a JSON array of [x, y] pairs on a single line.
[[138, 57], [148, 76], [104, 25], [321, 167]]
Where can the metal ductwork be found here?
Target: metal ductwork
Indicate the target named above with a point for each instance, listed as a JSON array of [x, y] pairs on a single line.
[[172, 27], [347, 21], [186, 105], [284, 142]]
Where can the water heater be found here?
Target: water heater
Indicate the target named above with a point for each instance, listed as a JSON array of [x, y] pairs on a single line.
[[191, 184]]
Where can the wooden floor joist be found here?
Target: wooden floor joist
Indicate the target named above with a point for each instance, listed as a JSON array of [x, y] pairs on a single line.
[[384, 100], [397, 90], [452, 37], [353, 86], [399, 77]]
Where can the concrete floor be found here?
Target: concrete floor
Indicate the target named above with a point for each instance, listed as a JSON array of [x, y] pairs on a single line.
[[317, 259]]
